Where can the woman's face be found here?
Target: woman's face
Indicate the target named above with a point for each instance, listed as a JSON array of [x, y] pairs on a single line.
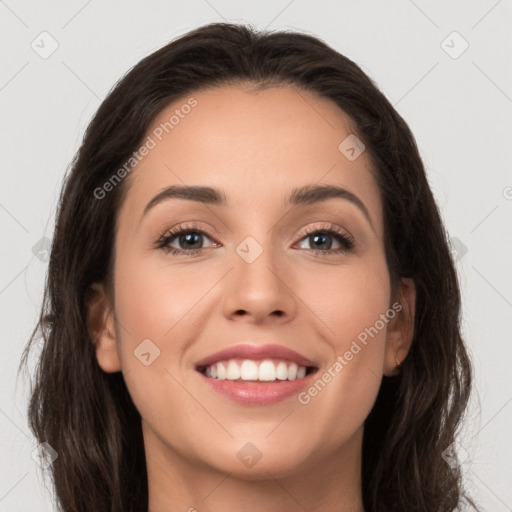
[[255, 279]]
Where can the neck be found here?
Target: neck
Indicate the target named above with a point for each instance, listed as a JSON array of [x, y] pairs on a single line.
[[180, 484]]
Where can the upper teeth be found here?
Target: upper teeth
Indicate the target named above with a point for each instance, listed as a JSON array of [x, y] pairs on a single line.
[[265, 370]]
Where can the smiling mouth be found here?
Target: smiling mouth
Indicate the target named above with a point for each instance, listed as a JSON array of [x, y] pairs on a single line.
[[250, 370]]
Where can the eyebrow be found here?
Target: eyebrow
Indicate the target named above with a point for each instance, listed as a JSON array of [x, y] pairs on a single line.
[[309, 194]]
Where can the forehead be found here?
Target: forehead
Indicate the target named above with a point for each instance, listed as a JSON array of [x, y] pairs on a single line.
[[256, 145]]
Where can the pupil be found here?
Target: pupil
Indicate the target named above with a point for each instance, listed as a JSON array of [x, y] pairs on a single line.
[[321, 238], [190, 238]]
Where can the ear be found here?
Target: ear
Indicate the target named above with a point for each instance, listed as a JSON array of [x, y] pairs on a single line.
[[400, 330], [101, 326]]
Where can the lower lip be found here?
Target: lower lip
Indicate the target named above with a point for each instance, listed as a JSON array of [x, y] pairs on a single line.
[[257, 393]]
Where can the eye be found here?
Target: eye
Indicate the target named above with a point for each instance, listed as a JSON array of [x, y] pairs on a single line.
[[321, 240], [190, 240], [186, 240]]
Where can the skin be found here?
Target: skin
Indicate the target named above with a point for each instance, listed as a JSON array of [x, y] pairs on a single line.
[[256, 146]]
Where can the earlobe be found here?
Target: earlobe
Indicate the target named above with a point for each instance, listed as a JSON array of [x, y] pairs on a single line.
[[100, 323], [400, 332]]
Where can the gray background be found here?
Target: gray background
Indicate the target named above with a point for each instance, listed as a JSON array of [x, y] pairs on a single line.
[[458, 105]]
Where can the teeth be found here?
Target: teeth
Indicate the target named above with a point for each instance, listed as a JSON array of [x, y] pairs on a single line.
[[233, 371], [292, 371], [221, 371], [248, 370], [282, 371], [264, 370], [267, 371]]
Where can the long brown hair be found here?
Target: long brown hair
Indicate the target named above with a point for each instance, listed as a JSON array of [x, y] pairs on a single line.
[[87, 415]]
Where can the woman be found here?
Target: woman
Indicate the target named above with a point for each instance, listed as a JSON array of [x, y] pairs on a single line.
[[251, 302]]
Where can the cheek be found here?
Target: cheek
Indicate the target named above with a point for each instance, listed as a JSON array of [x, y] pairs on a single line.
[[161, 310], [156, 318], [350, 303], [154, 300], [347, 299]]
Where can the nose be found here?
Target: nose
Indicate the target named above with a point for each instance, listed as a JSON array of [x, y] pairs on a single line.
[[260, 291]]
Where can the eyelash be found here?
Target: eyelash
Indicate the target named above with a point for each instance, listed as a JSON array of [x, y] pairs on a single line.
[[346, 241]]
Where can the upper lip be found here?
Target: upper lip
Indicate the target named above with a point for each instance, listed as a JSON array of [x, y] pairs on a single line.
[[250, 351]]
